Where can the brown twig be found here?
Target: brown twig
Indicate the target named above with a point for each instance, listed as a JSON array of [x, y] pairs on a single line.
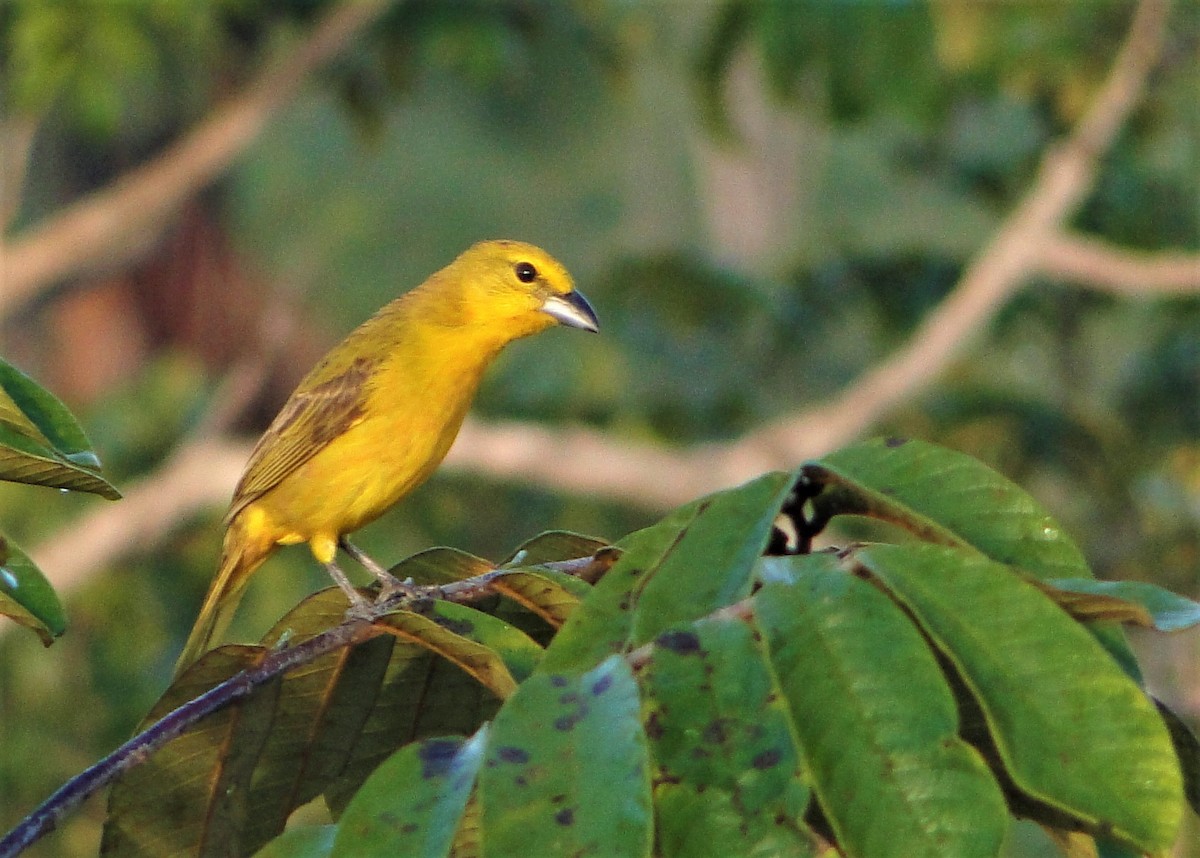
[[74, 792], [114, 224], [350, 632], [1095, 264], [1002, 268]]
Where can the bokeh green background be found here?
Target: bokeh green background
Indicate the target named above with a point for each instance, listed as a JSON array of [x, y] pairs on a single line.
[[761, 199]]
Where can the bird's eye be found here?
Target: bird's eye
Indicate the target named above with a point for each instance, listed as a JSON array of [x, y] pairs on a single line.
[[526, 273]]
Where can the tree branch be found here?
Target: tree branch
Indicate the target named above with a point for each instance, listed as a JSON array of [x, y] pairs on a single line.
[[1002, 268], [1095, 264], [114, 224], [352, 631], [67, 798]]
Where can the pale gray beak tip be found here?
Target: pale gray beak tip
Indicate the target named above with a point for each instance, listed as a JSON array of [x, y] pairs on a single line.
[[572, 310]]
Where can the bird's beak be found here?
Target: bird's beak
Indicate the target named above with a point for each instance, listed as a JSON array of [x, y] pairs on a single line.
[[572, 310]]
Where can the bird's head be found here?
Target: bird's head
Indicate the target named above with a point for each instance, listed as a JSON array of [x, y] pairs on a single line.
[[519, 288]]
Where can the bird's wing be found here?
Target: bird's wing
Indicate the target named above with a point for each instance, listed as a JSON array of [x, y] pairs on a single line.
[[308, 421]]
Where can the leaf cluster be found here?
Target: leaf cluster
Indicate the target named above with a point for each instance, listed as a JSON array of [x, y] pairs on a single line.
[[40, 444], [724, 687]]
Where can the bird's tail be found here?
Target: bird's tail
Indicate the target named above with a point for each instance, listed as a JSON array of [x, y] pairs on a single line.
[[238, 562]]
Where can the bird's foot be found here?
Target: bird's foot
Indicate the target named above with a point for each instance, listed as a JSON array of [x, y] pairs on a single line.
[[363, 609], [390, 585], [360, 606]]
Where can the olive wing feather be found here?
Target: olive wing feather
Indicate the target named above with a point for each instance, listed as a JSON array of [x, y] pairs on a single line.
[[308, 421]]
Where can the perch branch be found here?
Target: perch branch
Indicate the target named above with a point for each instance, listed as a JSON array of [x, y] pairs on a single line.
[[46, 817], [350, 632]]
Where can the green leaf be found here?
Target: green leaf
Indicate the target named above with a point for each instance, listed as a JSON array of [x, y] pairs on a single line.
[[40, 441], [441, 565], [190, 796], [699, 558], [1072, 729], [459, 632], [712, 563], [553, 546], [305, 841], [412, 805], [1144, 604], [949, 498], [566, 771], [876, 719], [946, 497], [727, 767], [1187, 749], [604, 623], [26, 596], [550, 595]]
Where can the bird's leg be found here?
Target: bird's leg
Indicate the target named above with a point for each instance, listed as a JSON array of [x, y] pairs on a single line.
[[359, 606], [391, 584]]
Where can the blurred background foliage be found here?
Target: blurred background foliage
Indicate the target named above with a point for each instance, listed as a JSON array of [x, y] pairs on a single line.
[[762, 198]]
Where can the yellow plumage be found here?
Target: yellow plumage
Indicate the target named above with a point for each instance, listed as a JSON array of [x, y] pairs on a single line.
[[376, 416]]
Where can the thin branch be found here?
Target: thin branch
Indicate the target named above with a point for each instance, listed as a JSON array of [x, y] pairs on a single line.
[[350, 632], [114, 224], [1095, 264], [46, 817], [998, 272]]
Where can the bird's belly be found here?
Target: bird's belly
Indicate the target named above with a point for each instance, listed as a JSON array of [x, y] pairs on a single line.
[[355, 479]]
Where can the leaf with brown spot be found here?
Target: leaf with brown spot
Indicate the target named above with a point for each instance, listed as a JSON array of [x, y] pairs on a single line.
[[414, 802], [568, 741], [727, 767], [699, 558]]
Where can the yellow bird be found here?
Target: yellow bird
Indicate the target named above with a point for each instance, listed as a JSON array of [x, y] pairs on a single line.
[[377, 415]]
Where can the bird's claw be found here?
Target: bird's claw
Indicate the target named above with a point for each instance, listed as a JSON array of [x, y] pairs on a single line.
[[361, 609]]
